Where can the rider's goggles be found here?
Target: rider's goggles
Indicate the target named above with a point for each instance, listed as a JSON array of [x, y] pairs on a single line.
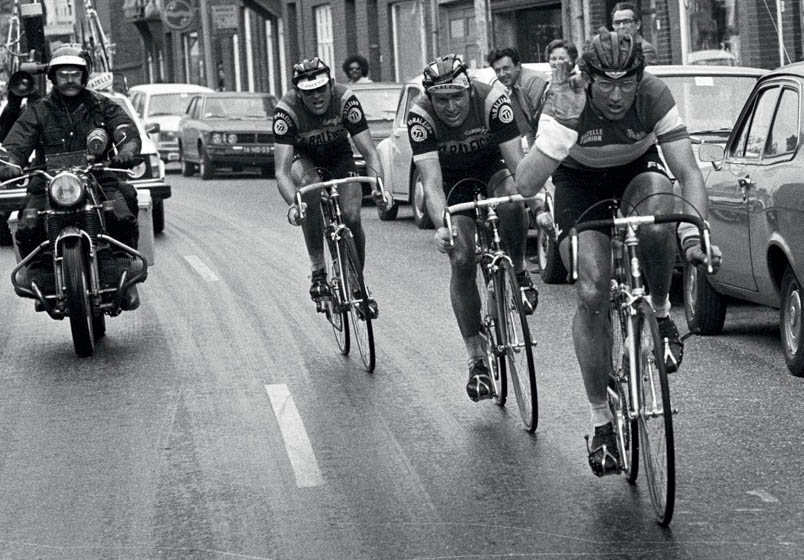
[[66, 189]]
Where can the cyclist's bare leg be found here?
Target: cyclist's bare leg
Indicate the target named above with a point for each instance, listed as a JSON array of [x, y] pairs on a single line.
[[656, 243], [312, 226], [351, 202], [513, 220], [462, 288]]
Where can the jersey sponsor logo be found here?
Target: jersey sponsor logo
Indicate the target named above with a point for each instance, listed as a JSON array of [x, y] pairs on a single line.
[[280, 126], [418, 133], [635, 134], [591, 135], [355, 115], [506, 114], [325, 136], [656, 165], [502, 110], [473, 131], [465, 147]]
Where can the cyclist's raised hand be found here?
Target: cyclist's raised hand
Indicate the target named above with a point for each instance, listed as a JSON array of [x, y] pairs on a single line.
[[295, 217], [695, 255], [444, 239], [545, 222], [566, 96]]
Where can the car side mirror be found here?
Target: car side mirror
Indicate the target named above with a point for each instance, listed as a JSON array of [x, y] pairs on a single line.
[[713, 153], [3, 154], [152, 128]]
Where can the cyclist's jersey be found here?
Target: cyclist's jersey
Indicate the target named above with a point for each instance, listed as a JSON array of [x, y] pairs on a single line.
[[652, 118], [474, 144], [322, 137]]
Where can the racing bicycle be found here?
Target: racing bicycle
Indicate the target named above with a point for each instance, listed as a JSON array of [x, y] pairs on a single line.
[[503, 318], [638, 390], [349, 299]]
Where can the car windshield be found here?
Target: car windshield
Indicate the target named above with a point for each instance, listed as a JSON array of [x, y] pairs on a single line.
[[168, 104], [378, 104], [126, 107], [710, 104], [239, 107]]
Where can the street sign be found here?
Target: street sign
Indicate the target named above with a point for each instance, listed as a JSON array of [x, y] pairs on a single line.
[[101, 81], [178, 14], [224, 17]]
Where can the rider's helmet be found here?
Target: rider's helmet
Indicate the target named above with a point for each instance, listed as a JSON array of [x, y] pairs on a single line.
[[70, 54], [310, 74], [445, 74], [613, 56]]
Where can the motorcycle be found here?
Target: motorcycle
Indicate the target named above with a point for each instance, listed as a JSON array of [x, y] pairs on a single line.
[[79, 272]]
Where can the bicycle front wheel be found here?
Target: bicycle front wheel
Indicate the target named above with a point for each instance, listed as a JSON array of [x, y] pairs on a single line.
[[490, 328], [336, 316], [516, 343], [618, 391], [655, 415], [358, 301]]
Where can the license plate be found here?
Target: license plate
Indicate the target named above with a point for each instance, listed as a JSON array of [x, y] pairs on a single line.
[[258, 149]]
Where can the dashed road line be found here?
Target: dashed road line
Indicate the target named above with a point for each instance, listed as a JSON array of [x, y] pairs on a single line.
[[202, 269]]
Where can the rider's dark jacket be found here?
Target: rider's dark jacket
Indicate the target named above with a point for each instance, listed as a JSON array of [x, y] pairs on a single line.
[[56, 124]]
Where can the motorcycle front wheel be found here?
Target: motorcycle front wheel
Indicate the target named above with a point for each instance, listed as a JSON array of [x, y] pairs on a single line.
[[77, 295]]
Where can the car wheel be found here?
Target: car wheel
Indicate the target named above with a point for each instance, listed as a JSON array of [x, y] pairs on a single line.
[[6, 239], [187, 168], [705, 309], [551, 267], [389, 213], [205, 168], [791, 324], [159, 216], [420, 215]]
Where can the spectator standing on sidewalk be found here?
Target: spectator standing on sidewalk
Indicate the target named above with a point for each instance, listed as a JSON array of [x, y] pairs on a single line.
[[626, 19], [356, 68]]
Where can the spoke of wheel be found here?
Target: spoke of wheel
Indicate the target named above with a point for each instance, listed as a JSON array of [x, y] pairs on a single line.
[[517, 345], [655, 416], [355, 291]]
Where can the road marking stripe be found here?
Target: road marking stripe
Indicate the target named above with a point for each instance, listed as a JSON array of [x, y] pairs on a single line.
[[202, 269], [297, 444], [763, 495]]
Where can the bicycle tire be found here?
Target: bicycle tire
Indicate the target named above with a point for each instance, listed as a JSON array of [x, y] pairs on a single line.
[[490, 327], [358, 301], [516, 344], [337, 317], [655, 415], [619, 393]]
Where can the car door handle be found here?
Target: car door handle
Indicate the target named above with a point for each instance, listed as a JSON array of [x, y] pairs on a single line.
[[745, 184]]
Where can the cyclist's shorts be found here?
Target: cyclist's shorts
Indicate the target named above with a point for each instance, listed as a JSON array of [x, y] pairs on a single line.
[[578, 189], [339, 167], [466, 191]]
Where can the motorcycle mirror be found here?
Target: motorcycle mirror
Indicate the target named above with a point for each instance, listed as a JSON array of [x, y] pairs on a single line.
[[3, 154]]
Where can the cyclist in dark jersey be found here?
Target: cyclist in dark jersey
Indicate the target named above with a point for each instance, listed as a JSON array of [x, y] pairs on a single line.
[[597, 137], [461, 129], [312, 125]]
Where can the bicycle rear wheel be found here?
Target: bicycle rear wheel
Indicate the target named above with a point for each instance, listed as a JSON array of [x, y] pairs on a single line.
[[336, 316], [358, 300], [490, 328], [517, 345], [655, 415], [619, 395]]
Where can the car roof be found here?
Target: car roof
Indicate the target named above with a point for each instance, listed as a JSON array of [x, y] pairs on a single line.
[[230, 94], [795, 69], [169, 88], [374, 85], [703, 70]]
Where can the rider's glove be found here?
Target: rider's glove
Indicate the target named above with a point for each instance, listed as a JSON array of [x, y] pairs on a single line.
[[693, 251], [122, 160], [8, 172], [294, 216], [545, 222], [382, 199], [444, 239], [561, 112]]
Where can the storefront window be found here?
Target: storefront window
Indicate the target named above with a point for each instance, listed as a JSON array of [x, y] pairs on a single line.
[[714, 34], [193, 63]]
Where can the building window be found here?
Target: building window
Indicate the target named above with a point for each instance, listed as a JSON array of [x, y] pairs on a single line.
[[323, 34], [456, 29], [714, 36]]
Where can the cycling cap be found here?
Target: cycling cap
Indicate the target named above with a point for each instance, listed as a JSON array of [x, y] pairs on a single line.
[[70, 54], [612, 55], [310, 74], [445, 74]]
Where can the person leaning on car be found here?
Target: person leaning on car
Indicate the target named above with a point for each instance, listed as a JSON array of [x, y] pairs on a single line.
[[60, 123]]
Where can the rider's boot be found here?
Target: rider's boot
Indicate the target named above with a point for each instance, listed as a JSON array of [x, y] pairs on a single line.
[[131, 299]]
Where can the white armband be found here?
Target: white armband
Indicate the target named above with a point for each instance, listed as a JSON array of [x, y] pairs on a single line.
[[554, 139]]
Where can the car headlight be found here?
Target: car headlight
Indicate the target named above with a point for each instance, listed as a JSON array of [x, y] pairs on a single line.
[[232, 138], [66, 189], [217, 138], [138, 171]]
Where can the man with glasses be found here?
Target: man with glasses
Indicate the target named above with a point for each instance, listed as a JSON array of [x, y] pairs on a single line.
[[312, 123], [356, 69], [626, 19], [597, 137]]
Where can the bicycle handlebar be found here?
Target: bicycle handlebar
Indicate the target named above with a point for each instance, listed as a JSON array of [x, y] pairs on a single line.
[[376, 181], [631, 221], [476, 204]]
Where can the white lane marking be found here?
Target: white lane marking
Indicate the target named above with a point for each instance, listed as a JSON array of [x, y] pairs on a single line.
[[763, 495], [202, 269], [297, 444]]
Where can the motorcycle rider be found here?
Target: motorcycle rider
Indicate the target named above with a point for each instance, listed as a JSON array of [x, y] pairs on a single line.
[[60, 123]]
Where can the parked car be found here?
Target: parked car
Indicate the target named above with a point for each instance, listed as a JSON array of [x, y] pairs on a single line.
[[149, 175], [709, 99], [401, 176], [756, 204], [164, 104], [378, 100], [227, 129]]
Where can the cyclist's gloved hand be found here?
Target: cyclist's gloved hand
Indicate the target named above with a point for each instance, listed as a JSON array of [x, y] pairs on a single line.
[[443, 239], [8, 172], [122, 160], [382, 199], [294, 216], [566, 96], [695, 255], [545, 223]]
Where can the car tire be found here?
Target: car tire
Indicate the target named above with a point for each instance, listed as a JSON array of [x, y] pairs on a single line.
[[187, 168], [790, 322], [419, 203], [159, 216], [6, 239], [205, 168], [389, 213], [705, 309], [551, 267]]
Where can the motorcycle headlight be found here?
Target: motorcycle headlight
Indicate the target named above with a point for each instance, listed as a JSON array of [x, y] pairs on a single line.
[[66, 189], [217, 138], [232, 138], [138, 171]]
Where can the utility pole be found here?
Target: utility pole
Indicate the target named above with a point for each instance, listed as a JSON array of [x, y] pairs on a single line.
[[482, 28], [210, 71]]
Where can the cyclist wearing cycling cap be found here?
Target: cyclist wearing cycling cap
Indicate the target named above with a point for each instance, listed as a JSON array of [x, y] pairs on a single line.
[[597, 137], [312, 123], [464, 129]]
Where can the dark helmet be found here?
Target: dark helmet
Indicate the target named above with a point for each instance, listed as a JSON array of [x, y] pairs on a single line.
[[310, 74], [70, 54], [445, 74], [612, 55]]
